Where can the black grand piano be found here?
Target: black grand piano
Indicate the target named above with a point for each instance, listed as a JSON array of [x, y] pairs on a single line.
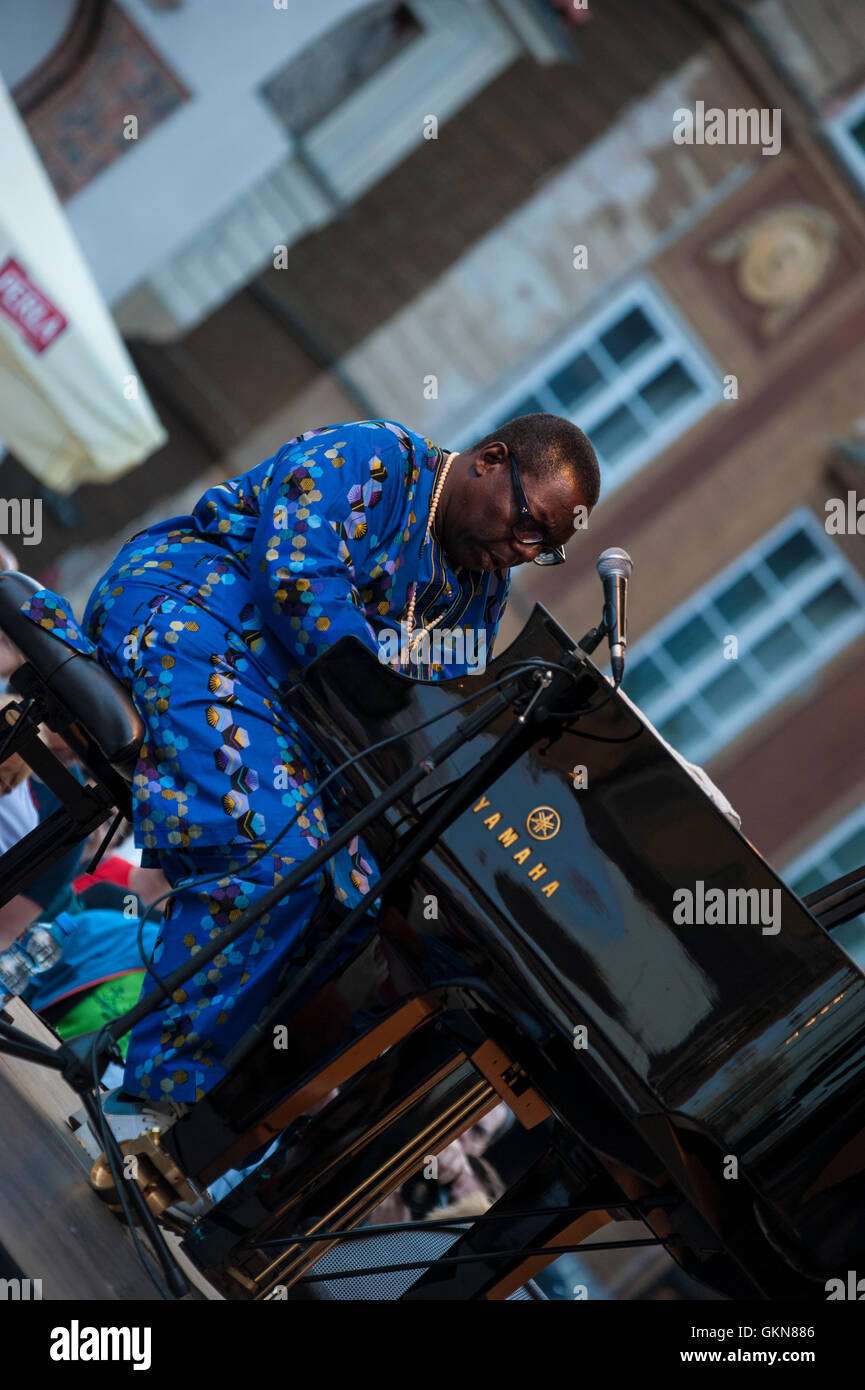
[[704, 1077]]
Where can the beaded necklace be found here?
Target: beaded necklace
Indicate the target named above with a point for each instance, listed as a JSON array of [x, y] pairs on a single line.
[[413, 642]]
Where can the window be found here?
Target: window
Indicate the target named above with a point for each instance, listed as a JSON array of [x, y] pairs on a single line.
[[315, 82], [847, 133], [630, 378], [790, 602], [837, 853], [357, 100]]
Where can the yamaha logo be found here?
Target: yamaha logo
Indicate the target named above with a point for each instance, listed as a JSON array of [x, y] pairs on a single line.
[[543, 823]]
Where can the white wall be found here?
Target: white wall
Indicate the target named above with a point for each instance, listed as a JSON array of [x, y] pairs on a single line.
[[28, 33], [194, 165]]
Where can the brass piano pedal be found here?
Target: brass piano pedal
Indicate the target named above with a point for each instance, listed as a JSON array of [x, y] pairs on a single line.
[[168, 1192]]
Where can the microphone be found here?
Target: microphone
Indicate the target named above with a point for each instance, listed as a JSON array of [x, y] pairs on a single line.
[[614, 567]]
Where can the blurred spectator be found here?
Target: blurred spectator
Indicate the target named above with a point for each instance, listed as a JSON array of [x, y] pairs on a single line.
[[465, 1184], [99, 975], [101, 971]]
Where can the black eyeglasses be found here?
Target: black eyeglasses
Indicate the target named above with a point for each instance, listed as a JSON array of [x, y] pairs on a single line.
[[530, 532]]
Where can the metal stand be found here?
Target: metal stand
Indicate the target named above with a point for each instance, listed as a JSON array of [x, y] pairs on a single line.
[[72, 1061], [81, 1060], [429, 829]]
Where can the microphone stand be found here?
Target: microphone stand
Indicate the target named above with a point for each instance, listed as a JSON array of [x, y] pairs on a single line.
[[452, 804], [468, 729], [71, 1059], [427, 832], [594, 637], [75, 1069]]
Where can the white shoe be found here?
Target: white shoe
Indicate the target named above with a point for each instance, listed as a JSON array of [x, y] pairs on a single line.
[[125, 1118]]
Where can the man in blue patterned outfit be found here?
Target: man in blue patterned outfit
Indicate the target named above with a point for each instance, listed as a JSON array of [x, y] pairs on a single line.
[[210, 619]]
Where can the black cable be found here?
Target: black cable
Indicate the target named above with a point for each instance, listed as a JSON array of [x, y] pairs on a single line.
[[440, 792], [16, 1044], [109, 1142], [110, 1145], [587, 709], [575, 674], [114, 1154], [112, 1150], [603, 738], [422, 801], [530, 664]]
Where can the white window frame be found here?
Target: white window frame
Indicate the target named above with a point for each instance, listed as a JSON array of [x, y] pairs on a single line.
[[816, 856], [787, 608], [465, 44], [825, 847], [838, 131], [677, 344], [463, 47]]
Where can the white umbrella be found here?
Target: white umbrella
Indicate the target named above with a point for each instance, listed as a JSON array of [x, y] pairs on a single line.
[[71, 407]]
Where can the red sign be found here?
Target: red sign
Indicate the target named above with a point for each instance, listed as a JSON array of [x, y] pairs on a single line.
[[39, 321]]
